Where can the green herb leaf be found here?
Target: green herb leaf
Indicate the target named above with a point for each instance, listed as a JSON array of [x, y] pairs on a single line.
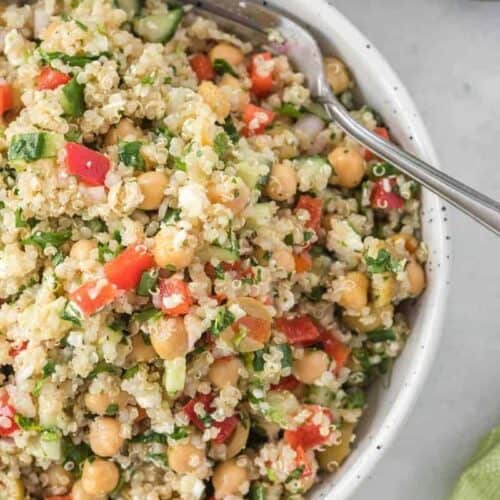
[[96, 225], [289, 239], [172, 215], [223, 319], [147, 284], [290, 110], [75, 453], [103, 367], [72, 99], [355, 399], [221, 66], [49, 368], [131, 372], [231, 130], [80, 60], [148, 80], [384, 262], [129, 153], [158, 457], [71, 313], [383, 169], [111, 410], [221, 144], [257, 492], [316, 293], [286, 360], [20, 222], [146, 315], [43, 239], [295, 474], [150, 437], [26, 423], [180, 164], [382, 335], [258, 360]]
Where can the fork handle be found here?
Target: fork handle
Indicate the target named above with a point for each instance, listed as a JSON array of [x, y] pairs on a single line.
[[480, 207]]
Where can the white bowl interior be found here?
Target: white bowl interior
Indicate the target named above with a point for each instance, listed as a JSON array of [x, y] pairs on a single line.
[[381, 89]]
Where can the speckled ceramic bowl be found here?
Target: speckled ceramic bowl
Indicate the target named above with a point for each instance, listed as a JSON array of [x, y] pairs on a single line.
[[381, 88]]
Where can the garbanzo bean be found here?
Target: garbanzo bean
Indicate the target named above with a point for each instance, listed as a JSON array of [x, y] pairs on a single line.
[[141, 352], [284, 259], [232, 87], [98, 403], [311, 366], [185, 458], [282, 183], [236, 200], [336, 74], [167, 253], [104, 436], [410, 242], [355, 291], [231, 54], [59, 477], [348, 166], [229, 478], [416, 277], [78, 493], [99, 477], [124, 130], [152, 186], [171, 341], [225, 371], [237, 441], [82, 249], [216, 99]]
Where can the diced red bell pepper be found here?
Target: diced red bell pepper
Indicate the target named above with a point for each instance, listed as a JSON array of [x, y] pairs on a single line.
[[261, 74], [236, 267], [383, 133], [257, 328], [289, 383], [7, 413], [88, 165], [94, 295], [256, 119], [49, 79], [302, 460], [384, 197], [308, 435], [14, 351], [173, 297], [303, 262], [336, 349], [202, 66], [299, 330], [58, 497], [226, 429], [189, 409], [6, 97], [125, 270], [315, 208]]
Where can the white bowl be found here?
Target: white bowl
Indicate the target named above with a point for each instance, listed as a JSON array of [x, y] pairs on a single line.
[[381, 88]]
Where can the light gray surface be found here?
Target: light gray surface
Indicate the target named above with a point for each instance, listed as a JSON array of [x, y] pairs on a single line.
[[446, 53]]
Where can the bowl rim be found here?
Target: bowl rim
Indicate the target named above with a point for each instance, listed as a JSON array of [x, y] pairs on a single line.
[[418, 369]]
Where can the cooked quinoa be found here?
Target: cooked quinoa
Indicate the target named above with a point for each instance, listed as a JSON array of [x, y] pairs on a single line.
[[199, 275]]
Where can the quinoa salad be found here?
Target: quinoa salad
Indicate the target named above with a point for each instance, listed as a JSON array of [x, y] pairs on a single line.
[[200, 276]]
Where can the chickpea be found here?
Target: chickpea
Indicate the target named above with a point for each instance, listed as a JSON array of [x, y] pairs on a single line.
[[99, 403], [336, 74], [99, 477], [104, 437], [229, 479], [167, 253], [152, 186], [124, 130], [231, 86], [416, 277], [237, 441], [355, 295], [225, 371], [185, 458], [82, 249], [311, 366], [236, 201], [78, 493], [410, 242], [216, 99], [59, 477], [172, 341], [284, 259], [233, 55], [282, 183], [141, 352], [348, 165]]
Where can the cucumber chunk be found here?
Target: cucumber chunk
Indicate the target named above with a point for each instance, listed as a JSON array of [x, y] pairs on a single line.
[[33, 146], [131, 7], [158, 28], [260, 214], [72, 99]]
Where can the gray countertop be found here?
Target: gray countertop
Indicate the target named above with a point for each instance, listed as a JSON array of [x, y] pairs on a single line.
[[446, 53]]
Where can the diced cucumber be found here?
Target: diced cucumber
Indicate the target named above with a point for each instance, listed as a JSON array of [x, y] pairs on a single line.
[[33, 146], [319, 396], [72, 99], [52, 449], [280, 408], [131, 7], [213, 252], [252, 175], [159, 28], [260, 214], [174, 376]]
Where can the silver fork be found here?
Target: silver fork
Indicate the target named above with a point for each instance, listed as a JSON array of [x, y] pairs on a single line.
[[254, 22]]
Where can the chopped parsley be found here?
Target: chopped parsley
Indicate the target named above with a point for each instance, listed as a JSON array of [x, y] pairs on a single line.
[[172, 215], [221, 66], [382, 335], [383, 262], [79, 60], [221, 144], [290, 110], [131, 372], [231, 130], [222, 320], [129, 153], [43, 239], [71, 313]]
